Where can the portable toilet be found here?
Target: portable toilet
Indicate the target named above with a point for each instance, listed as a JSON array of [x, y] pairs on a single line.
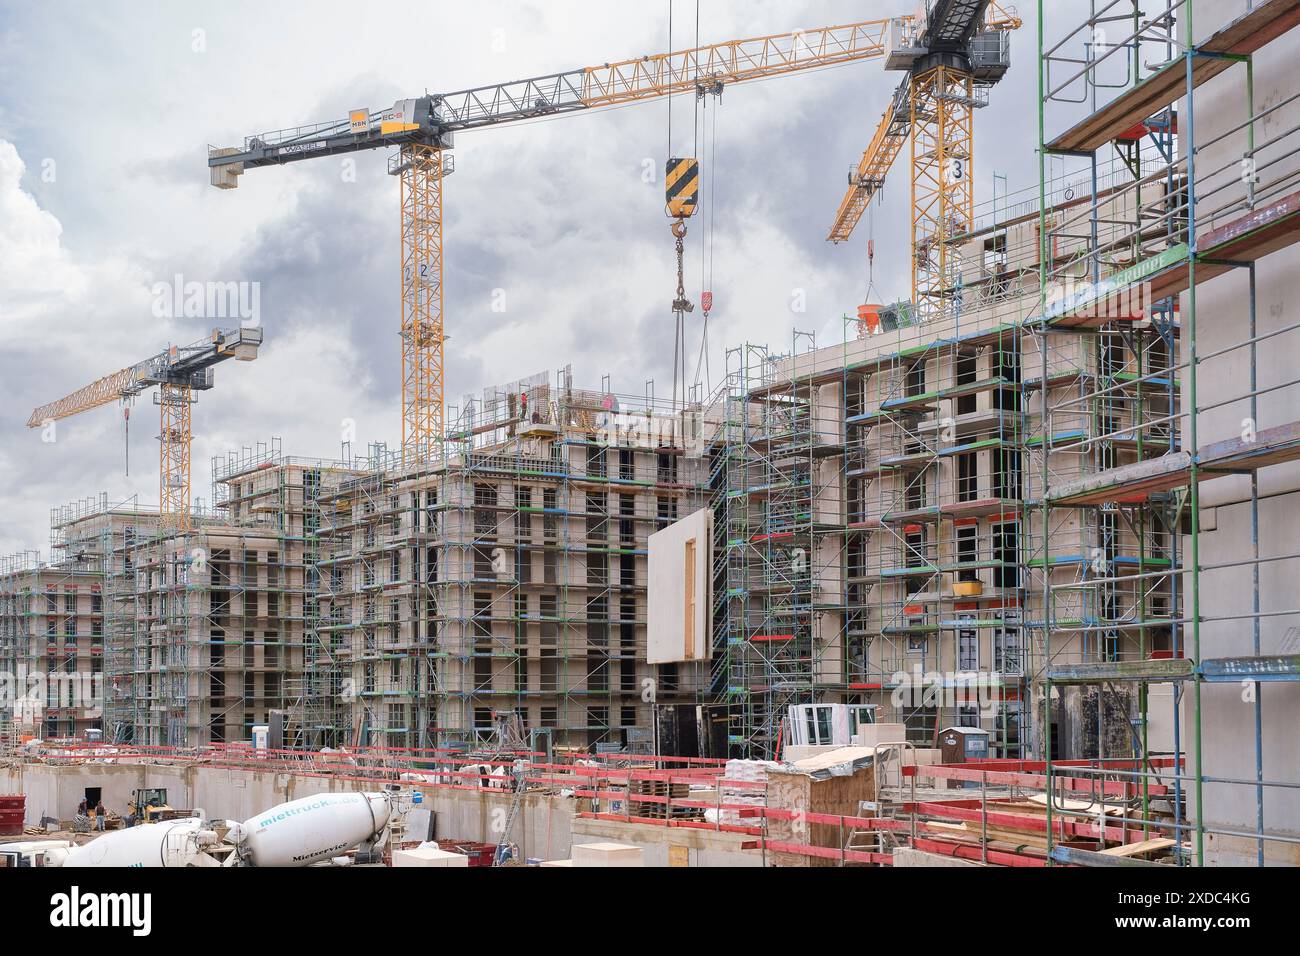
[[962, 744]]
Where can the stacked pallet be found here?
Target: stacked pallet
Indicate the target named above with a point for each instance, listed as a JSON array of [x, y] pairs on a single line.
[[660, 809]]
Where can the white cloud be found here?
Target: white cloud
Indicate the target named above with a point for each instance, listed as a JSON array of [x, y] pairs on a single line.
[[67, 320], [553, 212]]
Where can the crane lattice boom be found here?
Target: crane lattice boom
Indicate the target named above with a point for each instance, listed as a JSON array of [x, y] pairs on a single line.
[[188, 366], [430, 120], [179, 372]]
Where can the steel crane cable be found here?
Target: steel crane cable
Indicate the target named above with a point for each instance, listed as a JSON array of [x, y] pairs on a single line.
[[709, 165]]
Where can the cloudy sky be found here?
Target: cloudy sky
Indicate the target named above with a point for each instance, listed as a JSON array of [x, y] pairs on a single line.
[[106, 112]]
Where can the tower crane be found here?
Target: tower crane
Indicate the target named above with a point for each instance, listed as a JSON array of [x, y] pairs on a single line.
[[955, 42], [178, 372], [952, 52], [423, 129]]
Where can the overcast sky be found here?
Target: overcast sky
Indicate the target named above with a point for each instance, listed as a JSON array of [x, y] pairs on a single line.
[[106, 112]]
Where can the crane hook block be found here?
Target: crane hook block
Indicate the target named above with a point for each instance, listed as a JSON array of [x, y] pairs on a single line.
[[682, 186]]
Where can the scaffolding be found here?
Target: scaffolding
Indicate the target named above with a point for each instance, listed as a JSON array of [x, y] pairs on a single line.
[[57, 621], [278, 658], [100, 537], [902, 473], [202, 633], [88, 539], [19, 585], [935, 504], [1176, 405], [780, 534], [357, 519], [908, 517], [508, 574]]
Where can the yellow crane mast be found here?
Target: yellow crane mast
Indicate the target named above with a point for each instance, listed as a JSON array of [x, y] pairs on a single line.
[[952, 52]]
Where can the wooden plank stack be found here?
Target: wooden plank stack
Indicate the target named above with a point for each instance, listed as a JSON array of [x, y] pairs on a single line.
[[1004, 836]]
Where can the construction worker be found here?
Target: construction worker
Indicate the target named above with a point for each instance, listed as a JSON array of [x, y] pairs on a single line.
[[132, 811], [83, 809], [101, 816]]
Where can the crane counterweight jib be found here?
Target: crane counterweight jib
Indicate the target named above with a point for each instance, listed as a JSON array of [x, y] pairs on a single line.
[[190, 367]]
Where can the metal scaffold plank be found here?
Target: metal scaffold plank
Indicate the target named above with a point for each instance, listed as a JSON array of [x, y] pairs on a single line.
[[1232, 670], [1137, 481], [1255, 235], [1147, 98], [1079, 857], [1245, 239], [1240, 37], [1093, 672]]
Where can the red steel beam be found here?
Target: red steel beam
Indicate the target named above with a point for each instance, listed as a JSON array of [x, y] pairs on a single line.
[[1037, 781], [965, 852], [1061, 827]]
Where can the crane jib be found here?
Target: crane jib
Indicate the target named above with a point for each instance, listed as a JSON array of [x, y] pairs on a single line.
[[430, 120]]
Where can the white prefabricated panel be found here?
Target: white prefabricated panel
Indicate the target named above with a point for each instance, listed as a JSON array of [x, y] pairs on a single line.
[[311, 829], [679, 618], [172, 843]]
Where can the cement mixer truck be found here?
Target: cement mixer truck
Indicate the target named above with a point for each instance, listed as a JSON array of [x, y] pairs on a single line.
[[190, 841], [312, 829], [298, 833]]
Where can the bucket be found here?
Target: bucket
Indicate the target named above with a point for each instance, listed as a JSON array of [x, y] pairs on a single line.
[[869, 319]]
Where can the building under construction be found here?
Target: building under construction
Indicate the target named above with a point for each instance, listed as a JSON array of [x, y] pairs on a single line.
[[508, 575], [52, 643], [202, 628], [884, 493], [1049, 499]]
